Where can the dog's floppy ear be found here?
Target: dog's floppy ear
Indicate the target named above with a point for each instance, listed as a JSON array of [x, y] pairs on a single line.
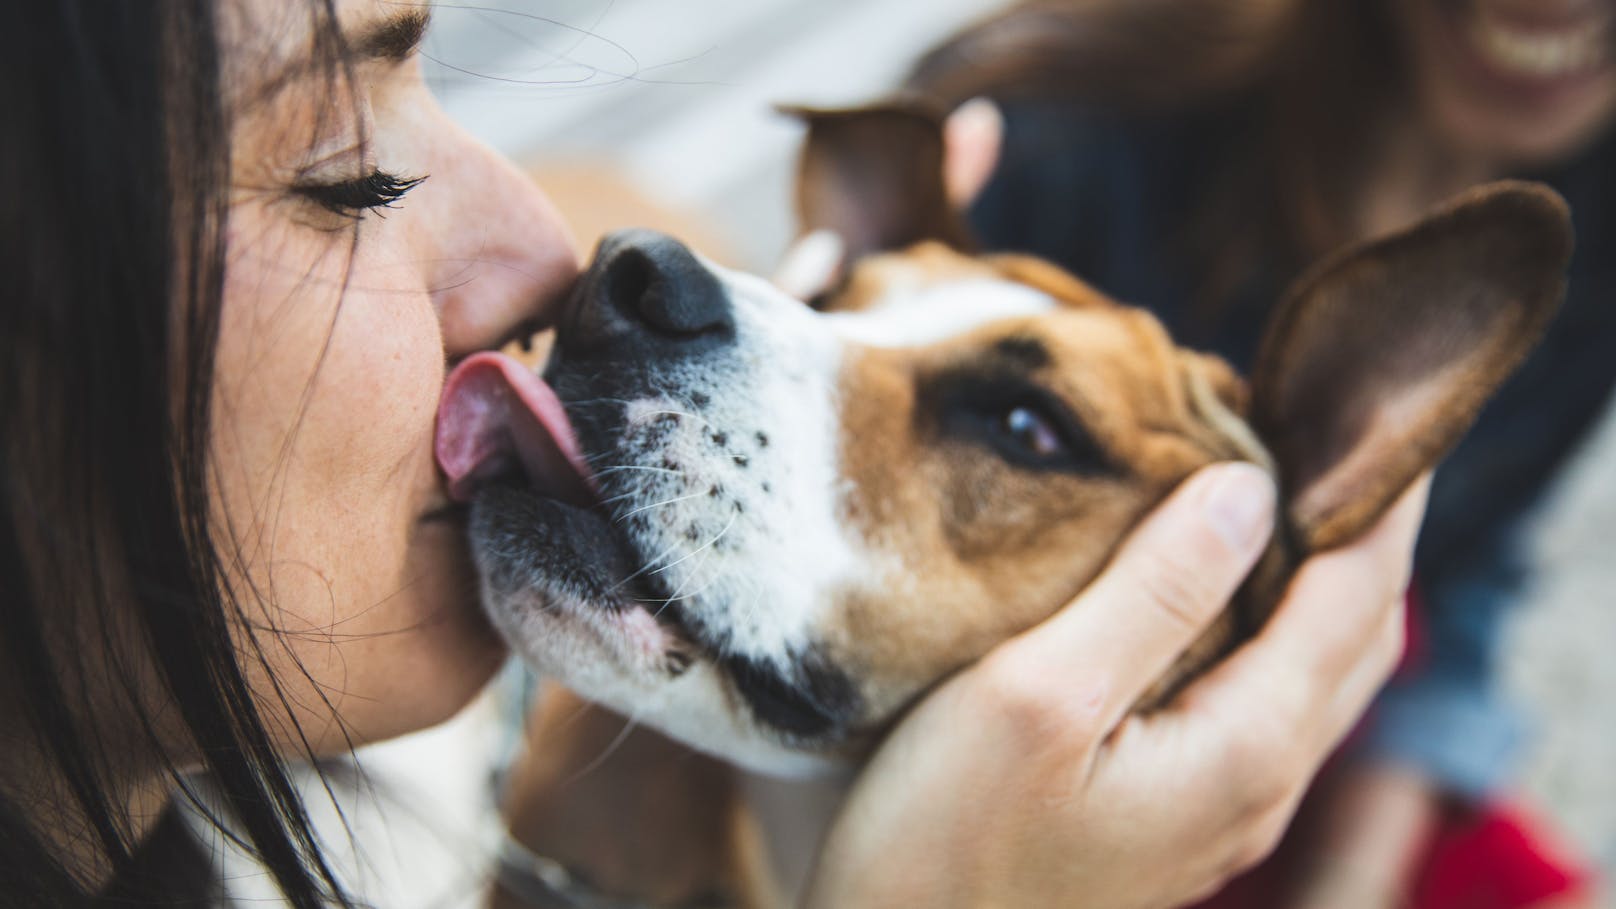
[[874, 175], [1380, 358]]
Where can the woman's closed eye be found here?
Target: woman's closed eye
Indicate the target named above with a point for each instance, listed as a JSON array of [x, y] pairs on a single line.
[[352, 198]]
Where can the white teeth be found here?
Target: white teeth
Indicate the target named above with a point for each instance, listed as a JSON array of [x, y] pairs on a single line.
[[1541, 53]]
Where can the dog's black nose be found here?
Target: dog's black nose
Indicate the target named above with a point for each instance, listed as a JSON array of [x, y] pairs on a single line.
[[648, 288]]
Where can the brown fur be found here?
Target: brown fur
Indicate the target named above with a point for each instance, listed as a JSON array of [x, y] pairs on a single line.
[[974, 529], [878, 177], [634, 811], [1487, 282], [1373, 366]]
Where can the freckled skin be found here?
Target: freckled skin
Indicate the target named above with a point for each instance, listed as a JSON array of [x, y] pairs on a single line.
[[330, 359]]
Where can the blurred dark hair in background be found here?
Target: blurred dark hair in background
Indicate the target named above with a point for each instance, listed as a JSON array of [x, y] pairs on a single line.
[[1301, 84]]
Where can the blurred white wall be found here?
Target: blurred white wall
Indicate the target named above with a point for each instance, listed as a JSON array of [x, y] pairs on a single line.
[[677, 93]]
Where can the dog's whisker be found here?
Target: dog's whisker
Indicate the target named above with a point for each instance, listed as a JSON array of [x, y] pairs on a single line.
[[618, 498], [665, 601], [629, 725], [751, 610], [629, 514], [651, 565], [701, 548], [597, 458], [678, 593], [675, 413], [614, 469], [603, 400], [679, 590], [646, 567]]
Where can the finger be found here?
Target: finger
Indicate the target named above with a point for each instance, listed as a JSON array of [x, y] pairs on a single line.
[[811, 265], [1173, 575], [972, 138], [1339, 598], [1365, 680], [1293, 690], [1334, 608]]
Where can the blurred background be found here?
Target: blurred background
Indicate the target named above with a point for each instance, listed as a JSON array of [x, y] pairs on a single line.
[[621, 106], [659, 113]]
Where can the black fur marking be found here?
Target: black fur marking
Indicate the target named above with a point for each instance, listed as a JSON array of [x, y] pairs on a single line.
[[524, 542], [816, 700], [1027, 352], [972, 405]]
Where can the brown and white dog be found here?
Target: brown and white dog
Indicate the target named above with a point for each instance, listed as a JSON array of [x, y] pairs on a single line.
[[779, 525]]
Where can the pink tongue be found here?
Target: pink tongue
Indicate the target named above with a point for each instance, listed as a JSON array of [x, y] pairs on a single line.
[[494, 412]]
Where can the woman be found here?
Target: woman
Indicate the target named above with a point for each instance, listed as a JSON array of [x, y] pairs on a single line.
[[243, 246], [1195, 157]]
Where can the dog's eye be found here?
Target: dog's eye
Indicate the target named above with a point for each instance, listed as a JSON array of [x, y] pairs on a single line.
[[1019, 421], [1030, 429]]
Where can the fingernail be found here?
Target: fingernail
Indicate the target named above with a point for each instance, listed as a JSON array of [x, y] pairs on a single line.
[[1239, 504]]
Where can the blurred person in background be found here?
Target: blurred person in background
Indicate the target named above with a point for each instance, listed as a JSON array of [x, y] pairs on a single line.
[[242, 245], [1195, 157]]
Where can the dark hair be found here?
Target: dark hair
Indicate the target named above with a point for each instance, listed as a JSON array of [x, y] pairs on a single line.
[[1296, 85], [114, 175]]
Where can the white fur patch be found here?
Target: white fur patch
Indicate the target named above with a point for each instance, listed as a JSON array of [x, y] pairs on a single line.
[[727, 479], [791, 554], [914, 317]]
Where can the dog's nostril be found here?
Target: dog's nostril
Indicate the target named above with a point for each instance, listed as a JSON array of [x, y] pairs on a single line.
[[628, 280], [656, 281]]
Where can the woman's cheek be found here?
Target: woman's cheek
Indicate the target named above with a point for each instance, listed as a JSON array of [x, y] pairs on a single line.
[[374, 398], [329, 369], [329, 364], [360, 471]]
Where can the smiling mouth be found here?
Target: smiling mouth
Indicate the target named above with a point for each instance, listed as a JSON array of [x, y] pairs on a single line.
[[1542, 50]]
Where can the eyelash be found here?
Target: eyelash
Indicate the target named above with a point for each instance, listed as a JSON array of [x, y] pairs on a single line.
[[352, 198]]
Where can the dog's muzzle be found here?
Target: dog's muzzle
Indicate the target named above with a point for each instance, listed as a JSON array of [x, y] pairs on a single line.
[[646, 299]]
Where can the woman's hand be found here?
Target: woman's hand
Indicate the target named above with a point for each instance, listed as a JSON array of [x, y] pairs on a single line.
[[1368, 833], [1025, 782]]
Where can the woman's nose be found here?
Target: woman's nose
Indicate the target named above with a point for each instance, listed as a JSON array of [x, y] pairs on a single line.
[[501, 255]]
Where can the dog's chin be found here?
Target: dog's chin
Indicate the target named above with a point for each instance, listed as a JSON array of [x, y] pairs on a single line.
[[566, 592], [544, 560]]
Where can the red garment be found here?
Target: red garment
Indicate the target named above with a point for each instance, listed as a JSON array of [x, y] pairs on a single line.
[[1499, 858], [1495, 857]]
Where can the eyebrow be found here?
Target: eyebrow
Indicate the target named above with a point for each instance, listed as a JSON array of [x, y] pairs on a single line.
[[391, 40]]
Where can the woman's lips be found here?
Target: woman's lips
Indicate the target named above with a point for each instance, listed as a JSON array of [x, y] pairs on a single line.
[[1535, 43], [497, 415]]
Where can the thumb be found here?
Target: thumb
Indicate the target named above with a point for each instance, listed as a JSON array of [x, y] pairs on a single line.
[[1172, 576]]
